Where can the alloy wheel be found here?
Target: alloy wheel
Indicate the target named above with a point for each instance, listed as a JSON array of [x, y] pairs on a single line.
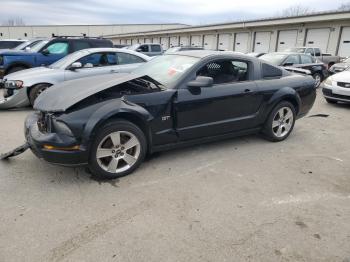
[[282, 122], [118, 152]]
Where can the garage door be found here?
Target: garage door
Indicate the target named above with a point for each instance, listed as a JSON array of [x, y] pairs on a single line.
[[210, 42], [156, 40], [148, 40], [141, 40], [262, 41], [287, 39], [174, 41], [196, 40], [344, 45], [123, 41], [318, 38], [241, 42], [134, 41], [184, 41], [128, 41], [164, 41], [224, 42]]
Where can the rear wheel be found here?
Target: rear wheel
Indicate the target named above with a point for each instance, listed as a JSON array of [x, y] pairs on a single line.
[[118, 149], [280, 123], [318, 79], [36, 91]]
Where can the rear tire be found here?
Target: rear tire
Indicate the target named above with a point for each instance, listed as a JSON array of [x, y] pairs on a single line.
[[36, 91], [280, 122], [331, 101], [118, 149], [16, 69]]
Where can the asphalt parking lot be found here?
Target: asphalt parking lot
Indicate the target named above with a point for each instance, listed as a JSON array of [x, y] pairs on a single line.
[[243, 199]]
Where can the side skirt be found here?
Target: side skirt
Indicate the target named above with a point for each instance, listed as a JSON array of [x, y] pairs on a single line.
[[205, 140]]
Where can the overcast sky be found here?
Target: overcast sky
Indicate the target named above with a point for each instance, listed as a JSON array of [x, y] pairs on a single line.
[[149, 11]]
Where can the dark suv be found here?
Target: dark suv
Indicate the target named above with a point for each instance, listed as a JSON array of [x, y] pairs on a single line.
[[46, 53]]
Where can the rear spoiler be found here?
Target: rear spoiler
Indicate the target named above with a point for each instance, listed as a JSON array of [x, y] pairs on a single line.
[[298, 70]]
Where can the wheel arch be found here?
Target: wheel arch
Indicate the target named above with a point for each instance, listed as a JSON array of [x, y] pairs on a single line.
[[99, 119], [36, 84], [285, 94]]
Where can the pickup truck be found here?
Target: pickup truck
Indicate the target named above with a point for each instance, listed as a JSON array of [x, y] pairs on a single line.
[[316, 52], [46, 53], [147, 49]]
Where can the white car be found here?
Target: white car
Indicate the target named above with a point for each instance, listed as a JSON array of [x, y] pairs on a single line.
[[23, 87], [336, 88]]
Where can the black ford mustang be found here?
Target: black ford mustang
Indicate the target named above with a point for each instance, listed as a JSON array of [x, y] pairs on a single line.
[[111, 122]]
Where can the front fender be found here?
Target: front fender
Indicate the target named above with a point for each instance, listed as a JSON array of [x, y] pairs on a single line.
[[111, 110]]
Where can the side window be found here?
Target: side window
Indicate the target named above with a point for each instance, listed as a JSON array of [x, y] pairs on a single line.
[[225, 71], [144, 48], [317, 52], [98, 60], [310, 51], [306, 59], [292, 59], [79, 45], [124, 58], [155, 48], [270, 71], [58, 48]]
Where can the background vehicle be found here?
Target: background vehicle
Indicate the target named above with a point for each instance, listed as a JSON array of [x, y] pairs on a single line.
[[147, 49], [173, 100], [120, 46], [336, 88], [339, 67], [182, 48], [22, 88], [27, 45], [256, 54], [12, 60], [315, 52], [10, 43], [318, 70]]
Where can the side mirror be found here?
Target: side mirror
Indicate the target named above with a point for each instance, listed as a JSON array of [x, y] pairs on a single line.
[[45, 52], [288, 64], [75, 65], [201, 81]]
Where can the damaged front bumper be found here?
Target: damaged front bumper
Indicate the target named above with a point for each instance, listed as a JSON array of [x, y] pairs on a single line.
[[13, 98], [52, 147]]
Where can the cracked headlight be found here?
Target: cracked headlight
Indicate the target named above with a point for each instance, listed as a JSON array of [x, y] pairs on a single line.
[[13, 84], [60, 128]]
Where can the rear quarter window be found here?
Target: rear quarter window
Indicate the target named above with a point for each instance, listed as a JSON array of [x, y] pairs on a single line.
[[270, 71]]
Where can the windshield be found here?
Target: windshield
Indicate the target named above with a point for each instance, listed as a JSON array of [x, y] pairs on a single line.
[[132, 47], [167, 69], [300, 50], [274, 59], [38, 46]]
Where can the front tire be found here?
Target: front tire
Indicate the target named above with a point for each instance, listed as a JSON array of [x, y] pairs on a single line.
[[36, 91], [118, 149], [318, 79], [280, 122]]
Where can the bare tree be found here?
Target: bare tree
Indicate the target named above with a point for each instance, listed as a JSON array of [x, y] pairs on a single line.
[[296, 10], [344, 7], [14, 22]]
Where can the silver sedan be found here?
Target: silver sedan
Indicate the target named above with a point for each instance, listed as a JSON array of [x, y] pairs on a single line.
[[23, 87]]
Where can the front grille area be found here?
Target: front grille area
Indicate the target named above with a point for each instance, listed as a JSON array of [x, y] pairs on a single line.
[[343, 84], [44, 122]]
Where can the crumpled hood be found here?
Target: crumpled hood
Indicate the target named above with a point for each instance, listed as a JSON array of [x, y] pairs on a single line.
[[60, 97], [341, 65]]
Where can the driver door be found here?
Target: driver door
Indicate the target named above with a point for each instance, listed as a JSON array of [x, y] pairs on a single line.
[[230, 104]]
